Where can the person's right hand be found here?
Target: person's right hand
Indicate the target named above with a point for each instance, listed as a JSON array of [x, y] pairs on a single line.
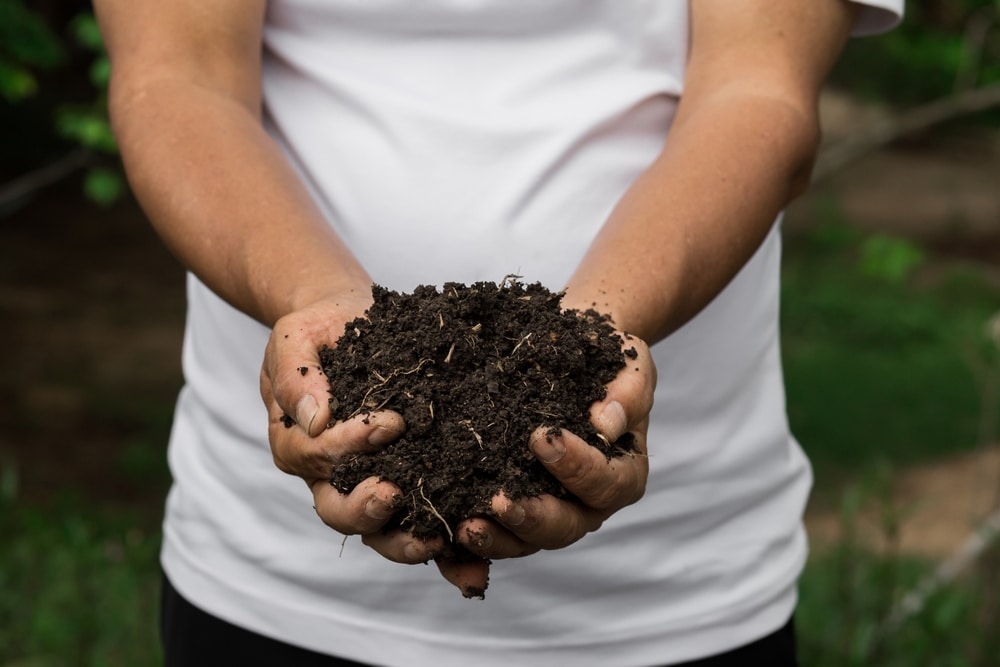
[[302, 445], [296, 394]]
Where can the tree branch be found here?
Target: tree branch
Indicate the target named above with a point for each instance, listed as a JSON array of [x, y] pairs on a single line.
[[19, 190], [883, 133]]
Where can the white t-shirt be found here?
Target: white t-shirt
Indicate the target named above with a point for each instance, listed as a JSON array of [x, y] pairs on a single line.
[[464, 140]]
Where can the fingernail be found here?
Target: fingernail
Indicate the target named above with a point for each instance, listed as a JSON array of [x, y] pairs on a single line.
[[513, 515], [412, 552], [612, 421], [381, 436], [550, 448], [479, 539], [378, 510], [305, 412]]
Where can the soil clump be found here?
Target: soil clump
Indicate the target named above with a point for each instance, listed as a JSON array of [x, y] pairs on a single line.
[[473, 370]]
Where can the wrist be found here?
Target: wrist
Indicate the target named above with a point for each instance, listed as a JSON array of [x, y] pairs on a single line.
[[303, 288], [622, 306], [353, 293]]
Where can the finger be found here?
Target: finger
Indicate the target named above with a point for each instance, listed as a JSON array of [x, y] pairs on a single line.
[[402, 547], [488, 539], [291, 377], [472, 577], [362, 511], [296, 453], [630, 395], [597, 481], [546, 522]]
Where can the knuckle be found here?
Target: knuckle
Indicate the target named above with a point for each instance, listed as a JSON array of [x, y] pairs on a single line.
[[283, 384], [319, 463], [279, 453], [570, 530], [330, 522], [620, 491], [576, 471], [336, 511], [294, 458], [334, 522], [265, 387], [607, 499], [633, 485], [281, 464]]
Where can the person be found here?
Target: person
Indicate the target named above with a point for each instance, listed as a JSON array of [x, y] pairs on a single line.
[[637, 154]]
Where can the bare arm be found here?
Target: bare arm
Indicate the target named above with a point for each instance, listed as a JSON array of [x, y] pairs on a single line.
[[185, 103], [742, 146]]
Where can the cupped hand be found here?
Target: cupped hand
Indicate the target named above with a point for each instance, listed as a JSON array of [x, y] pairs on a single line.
[[602, 486], [296, 394]]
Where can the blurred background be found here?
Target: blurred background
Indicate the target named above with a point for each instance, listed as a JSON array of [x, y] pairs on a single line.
[[891, 346]]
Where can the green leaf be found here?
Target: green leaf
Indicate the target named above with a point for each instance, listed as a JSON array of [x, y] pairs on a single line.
[[25, 38], [16, 83], [90, 127], [100, 72], [103, 186], [86, 32], [890, 259]]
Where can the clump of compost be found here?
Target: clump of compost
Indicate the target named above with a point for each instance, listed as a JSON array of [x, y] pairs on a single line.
[[473, 370]]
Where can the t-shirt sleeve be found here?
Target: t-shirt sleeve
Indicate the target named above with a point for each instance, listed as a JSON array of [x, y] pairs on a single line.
[[877, 16]]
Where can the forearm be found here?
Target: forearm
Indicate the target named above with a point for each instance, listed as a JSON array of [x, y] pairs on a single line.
[[224, 199], [696, 216]]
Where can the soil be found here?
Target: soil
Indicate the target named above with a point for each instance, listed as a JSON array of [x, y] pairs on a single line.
[[928, 510], [473, 370]]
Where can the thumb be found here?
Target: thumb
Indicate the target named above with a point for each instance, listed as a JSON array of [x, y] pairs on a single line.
[[609, 418], [293, 382]]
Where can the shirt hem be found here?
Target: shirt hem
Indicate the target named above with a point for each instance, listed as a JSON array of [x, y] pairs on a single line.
[[387, 647]]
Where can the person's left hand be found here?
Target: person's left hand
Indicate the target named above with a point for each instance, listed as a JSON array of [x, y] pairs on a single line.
[[602, 486]]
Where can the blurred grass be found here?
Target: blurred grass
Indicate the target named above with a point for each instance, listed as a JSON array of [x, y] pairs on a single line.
[[78, 586], [887, 362], [882, 367], [850, 611], [846, 596]]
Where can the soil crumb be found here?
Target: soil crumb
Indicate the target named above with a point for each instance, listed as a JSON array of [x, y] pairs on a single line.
[[473, 370]]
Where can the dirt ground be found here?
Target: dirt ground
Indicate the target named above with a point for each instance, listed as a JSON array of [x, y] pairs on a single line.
[[92, 308], [935, 507]]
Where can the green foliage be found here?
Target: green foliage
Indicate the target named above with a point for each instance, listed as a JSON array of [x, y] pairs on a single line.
[[893, 260], [16, 83], [88, 124], [86, 32], [876, 352], [850, 598], [103, 186], [926, 56], [846, 596], [77, 588], [26, 44], [88, 127]]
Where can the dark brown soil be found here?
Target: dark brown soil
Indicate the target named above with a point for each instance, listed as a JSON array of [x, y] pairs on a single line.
[[473, 370]]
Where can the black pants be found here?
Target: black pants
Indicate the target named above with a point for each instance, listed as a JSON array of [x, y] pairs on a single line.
[[192, 638]]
